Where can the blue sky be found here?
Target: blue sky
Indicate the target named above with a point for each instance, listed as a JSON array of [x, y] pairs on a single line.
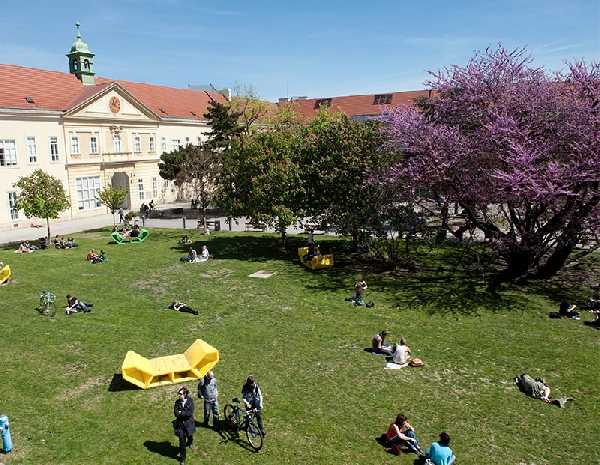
[[284, 48]]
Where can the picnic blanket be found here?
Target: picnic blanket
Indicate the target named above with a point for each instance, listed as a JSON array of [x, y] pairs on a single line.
[[395, 366]]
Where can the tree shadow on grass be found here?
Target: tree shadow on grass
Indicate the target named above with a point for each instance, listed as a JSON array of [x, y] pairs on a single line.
[[164, 448]]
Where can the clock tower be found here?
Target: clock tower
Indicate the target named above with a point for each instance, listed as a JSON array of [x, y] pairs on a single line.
[[81, 61]]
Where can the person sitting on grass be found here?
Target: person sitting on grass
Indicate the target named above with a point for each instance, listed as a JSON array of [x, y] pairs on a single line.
[[204, 255], [192, 255], [71, 243], [75, 306], [401, 434], [567, 309], [440, 453], [357, 298], [135, 231], [181, 307], [100, 258], [185, 240], [59, 242], [401, 352], [23, 248], [379, 346], [92, 256]]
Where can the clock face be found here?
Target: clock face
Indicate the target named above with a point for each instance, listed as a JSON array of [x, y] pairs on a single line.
[[114, 104]]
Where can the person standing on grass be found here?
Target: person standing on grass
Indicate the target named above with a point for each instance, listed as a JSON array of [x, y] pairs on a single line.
[[440, 453], [207, 390], [253, 399], [184, 424], [401, 433]]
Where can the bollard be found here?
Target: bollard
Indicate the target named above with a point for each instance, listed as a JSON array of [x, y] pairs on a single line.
[[6, 439], [144, 221], [229, 222], [184, 220]]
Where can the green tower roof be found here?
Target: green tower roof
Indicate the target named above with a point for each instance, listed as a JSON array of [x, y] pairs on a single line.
[[79, 46]]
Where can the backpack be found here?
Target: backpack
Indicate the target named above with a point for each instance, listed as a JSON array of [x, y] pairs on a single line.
[[554, 315], [370, 304]]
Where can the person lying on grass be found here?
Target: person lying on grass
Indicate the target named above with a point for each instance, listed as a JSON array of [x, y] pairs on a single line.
[[76, 306], [181, 307], [536, 388]]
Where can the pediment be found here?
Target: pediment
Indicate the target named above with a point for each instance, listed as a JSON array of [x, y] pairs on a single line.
[[110, 103]]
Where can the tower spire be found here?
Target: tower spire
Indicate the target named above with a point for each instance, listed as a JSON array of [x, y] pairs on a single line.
[[81, 60]]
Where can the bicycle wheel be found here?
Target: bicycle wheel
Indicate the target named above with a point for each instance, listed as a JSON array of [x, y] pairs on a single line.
[[51, 309], [230, 418], [43, 308], [255, 437]]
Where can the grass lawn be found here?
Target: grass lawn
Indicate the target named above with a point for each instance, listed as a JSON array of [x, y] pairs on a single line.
[[327, 400]]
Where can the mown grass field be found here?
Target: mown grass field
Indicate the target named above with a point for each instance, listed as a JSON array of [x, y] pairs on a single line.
[[327, 400]]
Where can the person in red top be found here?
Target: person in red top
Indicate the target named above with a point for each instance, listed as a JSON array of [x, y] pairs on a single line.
[[401, 433]]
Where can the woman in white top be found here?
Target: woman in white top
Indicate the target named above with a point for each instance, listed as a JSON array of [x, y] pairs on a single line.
[[204, 255]]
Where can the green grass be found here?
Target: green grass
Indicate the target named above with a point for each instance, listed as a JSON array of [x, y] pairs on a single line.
[[326, 399]]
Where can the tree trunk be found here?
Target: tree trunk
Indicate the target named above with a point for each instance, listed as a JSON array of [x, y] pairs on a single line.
[[556, 261], [48, 225]]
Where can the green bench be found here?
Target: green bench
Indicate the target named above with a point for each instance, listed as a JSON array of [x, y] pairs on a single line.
[[121, 239]]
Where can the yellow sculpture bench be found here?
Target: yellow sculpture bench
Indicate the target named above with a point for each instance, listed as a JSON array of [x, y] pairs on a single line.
[[194, 363], [318, 262], [4, 274]]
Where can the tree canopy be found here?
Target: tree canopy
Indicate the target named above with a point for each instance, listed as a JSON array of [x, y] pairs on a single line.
[[514, 147], [41, 196]]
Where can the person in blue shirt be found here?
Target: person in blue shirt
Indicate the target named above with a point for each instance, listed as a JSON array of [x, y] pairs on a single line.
[[440, 453]]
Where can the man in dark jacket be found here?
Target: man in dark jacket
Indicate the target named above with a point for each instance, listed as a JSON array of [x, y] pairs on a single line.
[[184, 424]]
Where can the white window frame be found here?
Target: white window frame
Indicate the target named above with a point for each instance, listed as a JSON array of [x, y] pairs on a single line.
[[117, 143], [13, 214], [54, 149], [175, 144], [94, 145], [141, 189], [87, 188], [154, 187], [151, 144], [137, 144], [8, 152], [31, 150], [199, 142], [75, 146], [164, 144]]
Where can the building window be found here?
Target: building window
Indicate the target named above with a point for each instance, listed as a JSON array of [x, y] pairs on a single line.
[[137, 143], [116, 143], [8, 152], [383, 99], [154, 187], [164, 144], [187, 141], [175, 143], [322, 103], [93, 144], [75, 145], [31, 150], [13, 213], [87, 188], [152, 146], [141, 189], [199, 141], [53, 148], [166, 183]]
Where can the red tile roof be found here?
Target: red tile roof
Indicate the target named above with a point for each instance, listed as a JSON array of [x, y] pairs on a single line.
[[357, 105], [55, 90]]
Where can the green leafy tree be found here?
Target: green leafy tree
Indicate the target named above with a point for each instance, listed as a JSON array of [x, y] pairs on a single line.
[[41, 196], [261, 179], [248, 105], [337, 153], [223, 122], [112, 198]]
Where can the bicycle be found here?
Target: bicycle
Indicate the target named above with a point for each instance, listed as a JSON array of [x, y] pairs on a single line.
[[47, 305], [234, 421]]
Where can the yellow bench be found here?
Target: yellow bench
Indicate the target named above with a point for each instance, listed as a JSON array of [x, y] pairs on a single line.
[[4, 274], [318, 262], [194, 363]]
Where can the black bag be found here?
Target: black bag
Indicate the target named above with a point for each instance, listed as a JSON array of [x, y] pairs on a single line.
[[554, 315], [370, 304]]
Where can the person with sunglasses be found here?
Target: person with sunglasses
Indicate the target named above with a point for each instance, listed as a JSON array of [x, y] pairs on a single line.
[[184, 424]]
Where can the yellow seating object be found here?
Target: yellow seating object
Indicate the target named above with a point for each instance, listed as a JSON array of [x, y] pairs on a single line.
[[194, 363], [4, 274], [318, 262]]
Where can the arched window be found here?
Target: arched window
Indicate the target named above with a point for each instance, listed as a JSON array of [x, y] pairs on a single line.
[[86, 64], [75, 65]]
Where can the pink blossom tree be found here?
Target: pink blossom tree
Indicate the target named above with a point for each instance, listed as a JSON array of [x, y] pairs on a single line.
[[512, 147]]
